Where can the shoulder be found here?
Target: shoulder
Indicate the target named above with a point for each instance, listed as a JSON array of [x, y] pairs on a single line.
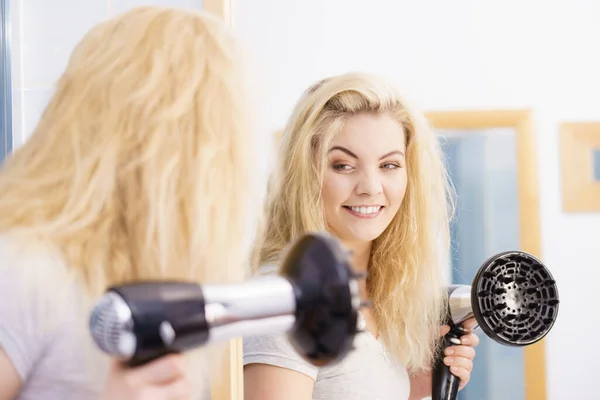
[[33, 269], [276, 350], [35, 279], [28, 252]]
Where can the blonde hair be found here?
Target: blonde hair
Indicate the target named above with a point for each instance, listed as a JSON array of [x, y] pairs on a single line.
[[405, 273], [138, 165]]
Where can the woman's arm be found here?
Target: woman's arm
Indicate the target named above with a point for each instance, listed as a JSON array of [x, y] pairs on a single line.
[[267, 382], [21, 333], [10, 383], [273, 370]]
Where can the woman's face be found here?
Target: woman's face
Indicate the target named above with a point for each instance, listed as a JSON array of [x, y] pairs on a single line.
[[365, 180]]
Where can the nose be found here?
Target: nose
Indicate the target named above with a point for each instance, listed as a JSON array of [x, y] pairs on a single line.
[[369, 183]]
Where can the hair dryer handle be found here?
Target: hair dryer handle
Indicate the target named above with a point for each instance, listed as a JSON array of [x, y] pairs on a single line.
[[444, 383]]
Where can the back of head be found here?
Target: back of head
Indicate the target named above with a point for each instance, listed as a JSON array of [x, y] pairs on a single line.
[[141, 166], [405, 274]]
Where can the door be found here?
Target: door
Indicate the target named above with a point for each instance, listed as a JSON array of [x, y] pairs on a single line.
[[482, 165]]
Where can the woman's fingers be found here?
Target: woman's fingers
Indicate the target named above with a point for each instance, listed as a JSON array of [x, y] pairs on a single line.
[[161, 379], [160, 371], [179, 389]]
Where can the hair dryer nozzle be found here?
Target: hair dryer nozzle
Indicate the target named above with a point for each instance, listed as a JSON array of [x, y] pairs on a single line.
[[515, 302], [315, 300], [327, 298], [514, 298]]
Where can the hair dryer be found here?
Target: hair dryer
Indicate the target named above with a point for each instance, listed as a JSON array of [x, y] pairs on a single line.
[[514, 300], [314, 299]]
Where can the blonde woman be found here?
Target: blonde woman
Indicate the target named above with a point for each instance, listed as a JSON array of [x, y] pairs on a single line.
[[135, 171], [357, 161]]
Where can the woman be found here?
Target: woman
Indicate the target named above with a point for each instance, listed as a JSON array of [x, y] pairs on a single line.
[[134, 172], [355, 160]]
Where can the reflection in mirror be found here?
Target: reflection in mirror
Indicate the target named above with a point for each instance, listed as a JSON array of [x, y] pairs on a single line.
[[596, 165], [6, 87], [482, 165]]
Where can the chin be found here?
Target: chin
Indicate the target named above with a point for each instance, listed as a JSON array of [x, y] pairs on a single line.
[[365, 235]]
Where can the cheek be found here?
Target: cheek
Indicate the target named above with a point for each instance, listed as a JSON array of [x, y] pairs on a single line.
[[396, 189], [336, 190]]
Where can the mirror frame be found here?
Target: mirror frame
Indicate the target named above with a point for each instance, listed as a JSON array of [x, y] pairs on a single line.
[[228, 382], [6, 137], [580, 190]]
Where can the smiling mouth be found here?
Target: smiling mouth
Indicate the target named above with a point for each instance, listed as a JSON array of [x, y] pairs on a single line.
[[364, 211]]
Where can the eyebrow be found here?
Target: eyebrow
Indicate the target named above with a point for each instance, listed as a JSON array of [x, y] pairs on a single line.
[[351, 154]]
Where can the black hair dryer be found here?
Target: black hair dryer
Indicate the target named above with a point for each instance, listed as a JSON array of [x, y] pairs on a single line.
[[314, 300], [514, 300]]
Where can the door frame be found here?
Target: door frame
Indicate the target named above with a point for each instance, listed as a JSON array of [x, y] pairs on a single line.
[[528, 201]]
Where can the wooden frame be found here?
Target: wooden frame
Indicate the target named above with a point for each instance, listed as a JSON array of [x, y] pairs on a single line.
[[220, 8], [529, 205], [580, 193], [228, 382]]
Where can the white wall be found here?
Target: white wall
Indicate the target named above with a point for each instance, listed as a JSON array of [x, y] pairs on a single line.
[[464, 54], [44, 32]]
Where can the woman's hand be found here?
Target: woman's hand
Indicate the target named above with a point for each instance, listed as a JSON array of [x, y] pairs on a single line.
[[161, 379], [460, 357]]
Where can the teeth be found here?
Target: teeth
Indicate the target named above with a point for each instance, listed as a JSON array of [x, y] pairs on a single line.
[[366, 210]]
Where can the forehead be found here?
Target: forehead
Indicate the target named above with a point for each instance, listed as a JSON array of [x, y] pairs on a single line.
[[370, 133]]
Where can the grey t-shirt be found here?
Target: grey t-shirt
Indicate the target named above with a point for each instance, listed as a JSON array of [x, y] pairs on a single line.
[[44, 330], [41, 327], [366, 373]]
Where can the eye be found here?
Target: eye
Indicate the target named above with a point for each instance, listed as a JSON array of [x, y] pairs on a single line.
[[342, 167], [390, 166]]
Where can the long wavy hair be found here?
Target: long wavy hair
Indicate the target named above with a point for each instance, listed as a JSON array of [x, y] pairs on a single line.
[[405, 274], [138, 164], [141, 166]]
